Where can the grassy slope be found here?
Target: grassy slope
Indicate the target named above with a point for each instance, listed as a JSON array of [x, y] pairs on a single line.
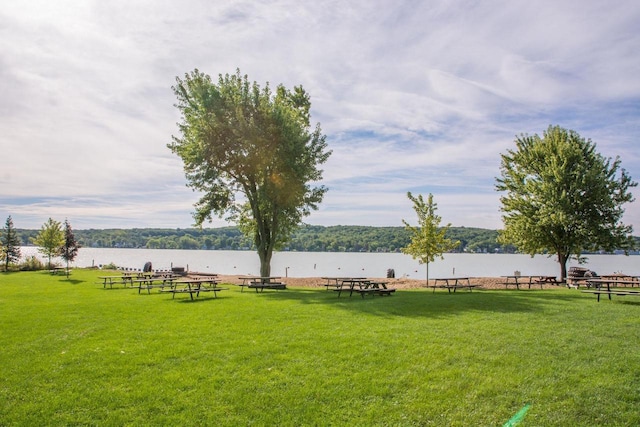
[[75, 353]]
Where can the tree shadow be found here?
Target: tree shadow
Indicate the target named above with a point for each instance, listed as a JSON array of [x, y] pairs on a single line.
[[200, 299], [425, 303]]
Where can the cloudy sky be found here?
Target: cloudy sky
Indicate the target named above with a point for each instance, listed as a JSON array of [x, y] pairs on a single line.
[[419, 96]]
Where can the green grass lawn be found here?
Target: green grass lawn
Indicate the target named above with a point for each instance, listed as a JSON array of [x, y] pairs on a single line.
[[74, 353]]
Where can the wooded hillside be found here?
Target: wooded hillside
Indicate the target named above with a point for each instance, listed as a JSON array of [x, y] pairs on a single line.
[[311, 238]]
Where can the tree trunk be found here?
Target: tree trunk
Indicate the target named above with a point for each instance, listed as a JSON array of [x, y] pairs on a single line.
[[562, 259], [265, 262], [427, 274]]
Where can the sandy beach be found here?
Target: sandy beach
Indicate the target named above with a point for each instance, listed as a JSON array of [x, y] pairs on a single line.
[[398, 283]]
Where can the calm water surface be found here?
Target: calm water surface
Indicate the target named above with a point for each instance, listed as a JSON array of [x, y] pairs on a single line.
[[317, 264]]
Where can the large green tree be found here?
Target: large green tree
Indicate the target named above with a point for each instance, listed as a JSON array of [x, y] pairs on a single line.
[[428, 239], [562, 197], [252, 154], [49, 239], [10, 244]]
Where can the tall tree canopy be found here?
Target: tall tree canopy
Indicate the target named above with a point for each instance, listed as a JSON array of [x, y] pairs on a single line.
[[428, 240], [49, 239], [252, 153], [562, 197], [9, 244]]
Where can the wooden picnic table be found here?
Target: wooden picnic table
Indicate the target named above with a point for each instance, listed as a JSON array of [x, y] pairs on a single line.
[[335, 282], [131, 278], [550, 280], [149, 283], [350, 283], [454, 283], [622, 279], [195, 286], [260, 283], [60, 270], [116, 280], [600, 281], [517, 280], [599, 284], [378, 287], [362, 286]]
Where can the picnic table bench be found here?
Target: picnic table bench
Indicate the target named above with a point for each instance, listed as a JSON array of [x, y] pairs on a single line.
[[619, 292], [453, 283]]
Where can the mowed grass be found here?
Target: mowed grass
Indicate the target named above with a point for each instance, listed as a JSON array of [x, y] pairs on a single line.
[[74, 353]]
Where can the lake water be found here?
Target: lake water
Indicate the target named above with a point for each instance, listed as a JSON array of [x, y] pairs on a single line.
[[318, 264]]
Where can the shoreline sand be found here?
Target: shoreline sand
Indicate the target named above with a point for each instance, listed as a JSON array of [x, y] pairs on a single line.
[[398, 283]]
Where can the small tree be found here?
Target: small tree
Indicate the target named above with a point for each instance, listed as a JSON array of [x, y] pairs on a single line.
[[70, 247], [50, 239], [562, 197], [428, 241], [10, 243]]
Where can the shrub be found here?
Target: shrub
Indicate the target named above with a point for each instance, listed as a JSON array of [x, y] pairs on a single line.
[[110, 266], [31, 263]]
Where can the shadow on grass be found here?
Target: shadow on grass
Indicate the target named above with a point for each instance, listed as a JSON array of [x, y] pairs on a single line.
[[195, 300], [424, 303], [73, 281]]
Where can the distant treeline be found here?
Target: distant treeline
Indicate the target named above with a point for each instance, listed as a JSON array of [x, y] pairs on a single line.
[[309, 238]]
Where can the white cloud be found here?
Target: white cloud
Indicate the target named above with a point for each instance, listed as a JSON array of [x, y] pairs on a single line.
[[413, 96]]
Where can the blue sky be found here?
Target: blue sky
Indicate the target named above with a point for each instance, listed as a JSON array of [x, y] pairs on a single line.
[[412, 96]]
